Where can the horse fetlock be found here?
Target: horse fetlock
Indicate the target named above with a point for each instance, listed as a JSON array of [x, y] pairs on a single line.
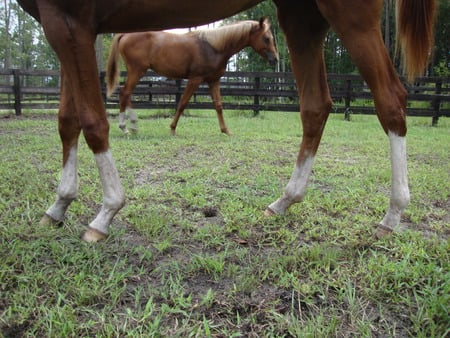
[[115, 203], [392, 218]]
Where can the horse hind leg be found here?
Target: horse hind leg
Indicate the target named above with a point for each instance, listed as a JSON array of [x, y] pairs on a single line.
[[367, 50]]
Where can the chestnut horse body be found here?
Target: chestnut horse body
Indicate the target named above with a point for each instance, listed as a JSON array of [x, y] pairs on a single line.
[[71, 28], [199, 56]]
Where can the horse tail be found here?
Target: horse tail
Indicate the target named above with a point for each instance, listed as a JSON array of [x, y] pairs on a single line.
[[112, 71], [415, 31]]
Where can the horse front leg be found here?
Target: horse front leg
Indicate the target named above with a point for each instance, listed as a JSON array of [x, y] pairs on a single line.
[[95, 128], [304, 35], [69, 131], [73, 42], [214, 89], [191, 87]]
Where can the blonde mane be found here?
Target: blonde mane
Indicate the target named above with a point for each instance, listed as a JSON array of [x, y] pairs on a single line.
[[218, 38]]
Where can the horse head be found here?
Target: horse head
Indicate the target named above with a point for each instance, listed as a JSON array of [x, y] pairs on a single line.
[[263, 42]]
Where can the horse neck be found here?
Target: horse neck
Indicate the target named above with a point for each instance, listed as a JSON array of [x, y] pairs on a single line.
[[232, 42], [234, 46]]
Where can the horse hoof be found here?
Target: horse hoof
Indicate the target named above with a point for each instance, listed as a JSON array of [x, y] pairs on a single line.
[[383, 231], [47, 221], [173, 132], [92, 236], [268, 212]]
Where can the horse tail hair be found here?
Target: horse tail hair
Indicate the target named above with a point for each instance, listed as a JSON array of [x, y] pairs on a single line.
[[112, 70], [415, 34]]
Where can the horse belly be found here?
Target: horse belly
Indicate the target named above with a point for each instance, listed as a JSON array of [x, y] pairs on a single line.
[[135, 15]]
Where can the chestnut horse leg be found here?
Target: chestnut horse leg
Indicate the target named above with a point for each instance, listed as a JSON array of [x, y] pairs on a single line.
[[191, 86], [68, 186], [82, 109], [361, 35], [305, 30], [214, 89], [125, 100]]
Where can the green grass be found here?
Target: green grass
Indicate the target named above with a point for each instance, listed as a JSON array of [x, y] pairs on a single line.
[[190, 255]]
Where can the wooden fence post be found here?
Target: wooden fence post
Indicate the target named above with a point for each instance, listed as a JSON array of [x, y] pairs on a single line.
[[347, 99], [103, 85], [436, 103], [17, 92], [256, 107], [150, 98]]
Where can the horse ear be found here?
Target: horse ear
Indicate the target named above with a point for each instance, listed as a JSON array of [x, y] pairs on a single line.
[[264, 21]]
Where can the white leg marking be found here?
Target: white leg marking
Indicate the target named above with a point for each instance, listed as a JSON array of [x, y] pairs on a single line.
[[122, 122], [399, 181], [296, 187], [67, 189], [133, 120], [113, 195]]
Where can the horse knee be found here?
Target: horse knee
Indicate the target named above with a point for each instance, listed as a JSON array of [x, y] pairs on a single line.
[[96, 132], [114, 201], [67, 192], [314, 119]]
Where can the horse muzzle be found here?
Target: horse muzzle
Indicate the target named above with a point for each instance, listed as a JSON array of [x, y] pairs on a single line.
[[272, 58]]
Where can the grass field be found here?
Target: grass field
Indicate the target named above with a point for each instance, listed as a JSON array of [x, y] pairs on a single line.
[[191, 255]]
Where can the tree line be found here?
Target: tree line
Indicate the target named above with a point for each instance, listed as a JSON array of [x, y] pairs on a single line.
[[23, 44]]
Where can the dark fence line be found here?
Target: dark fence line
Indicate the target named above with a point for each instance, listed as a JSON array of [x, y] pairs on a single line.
[[254, 91]]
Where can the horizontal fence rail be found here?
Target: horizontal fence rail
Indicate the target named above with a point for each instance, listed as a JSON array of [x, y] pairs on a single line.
[[254, 91]]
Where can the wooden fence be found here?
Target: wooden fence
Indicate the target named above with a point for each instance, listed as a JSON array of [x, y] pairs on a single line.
[[254, 91]]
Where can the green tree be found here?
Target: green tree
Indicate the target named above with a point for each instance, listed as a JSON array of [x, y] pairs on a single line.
[[5, 36], [440, 62], [23, 45], [337, 59]]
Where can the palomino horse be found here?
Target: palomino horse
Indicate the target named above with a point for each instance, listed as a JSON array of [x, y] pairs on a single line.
[[199, 56], [71, 28]]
